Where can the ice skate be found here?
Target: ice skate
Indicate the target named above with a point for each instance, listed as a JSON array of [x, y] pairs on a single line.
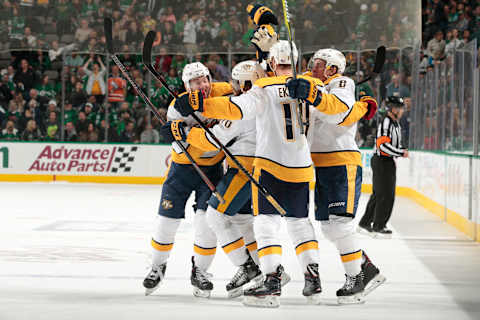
[[154, 278], [313, 287], [267, 295], [200, 279], [365, 230], [383, 233], [372, 278], [352, 290], [246, 273]]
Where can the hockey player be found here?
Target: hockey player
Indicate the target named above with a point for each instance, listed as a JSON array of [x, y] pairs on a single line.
[[234, 231], [181, 181], [282, 165], [337, 163]]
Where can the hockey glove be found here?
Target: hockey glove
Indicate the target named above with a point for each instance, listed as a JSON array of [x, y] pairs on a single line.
[[263, 39], [189, 102], [173, 131], [304, 89], [261, 14], [372, 107]]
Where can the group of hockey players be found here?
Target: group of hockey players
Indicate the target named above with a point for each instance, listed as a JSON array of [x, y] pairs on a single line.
[[286, 133]]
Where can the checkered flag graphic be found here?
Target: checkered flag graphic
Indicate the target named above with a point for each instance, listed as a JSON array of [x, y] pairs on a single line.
[[123, 158]]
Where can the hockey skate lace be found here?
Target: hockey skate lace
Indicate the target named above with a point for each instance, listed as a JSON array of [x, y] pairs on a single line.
[[202, 275], [350, 283], [239, 275]]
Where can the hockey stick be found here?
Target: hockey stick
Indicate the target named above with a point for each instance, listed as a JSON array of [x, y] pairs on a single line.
[[286, 18], [147, 61], [379, 62], [108, 36]]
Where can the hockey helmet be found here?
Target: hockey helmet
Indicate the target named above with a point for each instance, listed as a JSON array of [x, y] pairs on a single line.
[[244, 74], [394, 102], [334, 58], [192, 71], [280, 52]]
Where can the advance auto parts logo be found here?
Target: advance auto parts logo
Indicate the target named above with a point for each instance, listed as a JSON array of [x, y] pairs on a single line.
[[86, 160]]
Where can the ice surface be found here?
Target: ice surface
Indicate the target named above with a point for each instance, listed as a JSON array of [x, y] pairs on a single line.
[[81, 251]]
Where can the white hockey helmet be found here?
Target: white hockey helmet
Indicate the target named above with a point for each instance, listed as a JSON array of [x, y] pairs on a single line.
[[334, 58], [244, 75], [194, 70], [280, 52], [321, 54]]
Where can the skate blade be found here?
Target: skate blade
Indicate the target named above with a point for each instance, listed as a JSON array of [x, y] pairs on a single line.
[[314, 298], [355, 299], [151, 290], [364, 232], [201, 293], [285, 279], [235, 293], [377, 235], [374, 284], [262, 302]]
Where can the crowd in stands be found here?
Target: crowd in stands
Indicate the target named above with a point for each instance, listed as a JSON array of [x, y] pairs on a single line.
[[54, 49]]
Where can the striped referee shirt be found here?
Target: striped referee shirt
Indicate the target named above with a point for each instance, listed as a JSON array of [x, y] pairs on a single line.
[[389, 139]]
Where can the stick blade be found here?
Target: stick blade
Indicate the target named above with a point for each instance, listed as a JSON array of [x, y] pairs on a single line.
[[107, 27], [147, 47], [379, 60]]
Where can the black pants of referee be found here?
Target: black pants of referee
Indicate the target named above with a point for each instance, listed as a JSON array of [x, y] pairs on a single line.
[[380, 206]]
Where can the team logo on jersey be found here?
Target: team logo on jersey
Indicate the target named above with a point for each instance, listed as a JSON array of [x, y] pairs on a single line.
[[167, 204]]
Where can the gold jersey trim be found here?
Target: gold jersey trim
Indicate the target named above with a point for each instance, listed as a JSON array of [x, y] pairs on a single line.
[[288, 174], [336, 158]]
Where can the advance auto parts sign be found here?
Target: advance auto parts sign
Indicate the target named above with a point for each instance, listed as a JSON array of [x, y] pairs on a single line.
[[85, 159]]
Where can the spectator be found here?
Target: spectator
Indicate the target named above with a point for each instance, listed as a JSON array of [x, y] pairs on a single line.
[[92, 133], [73, 60], [112, 133], [218, 71], [163, 61], [396, 88], [82, 33], [128, 134], [31, 133], [454, 43], [6, 91], [78, 96], [52, 134], [70, 132], [82, 123], [52, 120], [16, 106], [24, 78], [149, 135], [70, 115], [42, 62], [95, 84], [436, 46], [133, 35], [117, 88], [10, 133], [64, 16], [190, 35], [29, 38], [45, 90]]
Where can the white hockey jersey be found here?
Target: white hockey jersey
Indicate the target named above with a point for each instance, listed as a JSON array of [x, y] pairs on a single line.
[[237, 135], [280, 149], [200, 156], [332, 136]]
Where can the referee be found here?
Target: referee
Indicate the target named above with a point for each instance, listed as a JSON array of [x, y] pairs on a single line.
[[388, 147]]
